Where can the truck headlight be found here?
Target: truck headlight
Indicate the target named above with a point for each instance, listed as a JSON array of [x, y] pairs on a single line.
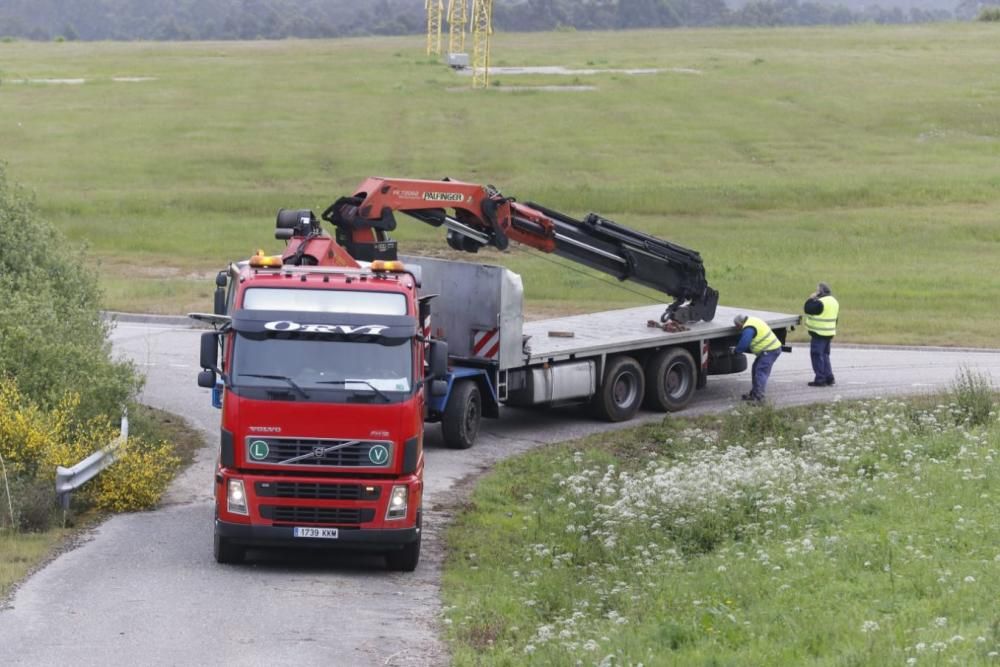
[[236, 498], [398, 500]]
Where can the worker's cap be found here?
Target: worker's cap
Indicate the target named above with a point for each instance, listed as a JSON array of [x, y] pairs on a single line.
[[739, 320], [823, 289]]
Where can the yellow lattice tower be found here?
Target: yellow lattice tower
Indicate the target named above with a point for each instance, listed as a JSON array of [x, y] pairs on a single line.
[[435, 11], [458, 17], [482, 28]]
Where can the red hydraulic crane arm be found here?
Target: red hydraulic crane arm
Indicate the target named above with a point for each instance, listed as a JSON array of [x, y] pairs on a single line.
[[479, 215]]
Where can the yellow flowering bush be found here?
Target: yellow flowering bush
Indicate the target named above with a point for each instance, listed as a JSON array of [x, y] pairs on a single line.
[[138, 477], [34, 441]]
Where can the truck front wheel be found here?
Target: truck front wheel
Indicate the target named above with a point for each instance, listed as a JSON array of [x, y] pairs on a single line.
[[404, 560], [619, 396], [671, 377], [227, 552], [460, 422]]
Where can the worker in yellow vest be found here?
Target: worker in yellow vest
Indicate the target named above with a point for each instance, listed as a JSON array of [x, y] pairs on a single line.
[[822, 311], [757, 338]]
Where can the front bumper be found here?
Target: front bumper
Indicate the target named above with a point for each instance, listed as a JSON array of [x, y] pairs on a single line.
[[348, 538]]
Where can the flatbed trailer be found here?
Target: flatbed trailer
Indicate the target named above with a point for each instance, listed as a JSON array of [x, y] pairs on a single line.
[[614, 359], [626, 331]]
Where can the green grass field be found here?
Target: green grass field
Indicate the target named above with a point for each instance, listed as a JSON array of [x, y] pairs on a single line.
[[862, 156]]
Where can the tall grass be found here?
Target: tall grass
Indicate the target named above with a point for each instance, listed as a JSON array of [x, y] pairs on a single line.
[[856, 534], [862, 156]]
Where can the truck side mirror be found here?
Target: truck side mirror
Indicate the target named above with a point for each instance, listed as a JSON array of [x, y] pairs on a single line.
[[206, 379], [220, 301], [439, 388], [220, 293], [209, 351], [439, 359]]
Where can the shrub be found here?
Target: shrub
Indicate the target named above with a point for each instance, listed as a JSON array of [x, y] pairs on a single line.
[[989, 14], [973, 394], [34, 441], [33, 502], [52, 338]]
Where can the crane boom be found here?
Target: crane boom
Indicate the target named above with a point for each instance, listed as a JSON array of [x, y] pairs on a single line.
[[479, 215]]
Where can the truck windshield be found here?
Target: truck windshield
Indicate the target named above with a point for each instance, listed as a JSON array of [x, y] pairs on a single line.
[[322, 363]]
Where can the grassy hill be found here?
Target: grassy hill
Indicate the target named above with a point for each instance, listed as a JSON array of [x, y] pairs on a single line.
[[862, 156]]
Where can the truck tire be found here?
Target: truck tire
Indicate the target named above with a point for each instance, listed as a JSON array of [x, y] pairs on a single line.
[[460, 422], [620, 394], [226, 552], [404, 560], [671, 378]]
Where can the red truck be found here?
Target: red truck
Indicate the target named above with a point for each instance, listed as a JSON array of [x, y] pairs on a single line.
[[322, 393], [326, 360]]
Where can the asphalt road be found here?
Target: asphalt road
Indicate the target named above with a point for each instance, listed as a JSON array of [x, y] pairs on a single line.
[[143, 589]]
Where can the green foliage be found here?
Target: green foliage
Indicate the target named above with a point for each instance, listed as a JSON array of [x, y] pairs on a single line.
[[683, 544], [989, 14], [751, 424], [975, 398], [34, 441], [33, 504], [51, 336]]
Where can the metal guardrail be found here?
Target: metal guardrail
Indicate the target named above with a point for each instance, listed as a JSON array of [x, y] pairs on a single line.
[[70, 479]]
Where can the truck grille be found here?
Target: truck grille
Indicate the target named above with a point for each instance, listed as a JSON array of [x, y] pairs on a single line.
[[325, 515], [316, 490], [361, 454]]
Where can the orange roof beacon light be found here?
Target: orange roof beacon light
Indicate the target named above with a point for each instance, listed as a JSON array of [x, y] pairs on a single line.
[[262, 261], [392, 266]]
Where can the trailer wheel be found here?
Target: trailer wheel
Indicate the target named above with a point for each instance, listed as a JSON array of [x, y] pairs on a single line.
[[671, 378], [619, 396], [460, 422], [226, 552]]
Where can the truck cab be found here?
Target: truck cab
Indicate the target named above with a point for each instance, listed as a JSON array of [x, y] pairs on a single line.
[[320, 374]]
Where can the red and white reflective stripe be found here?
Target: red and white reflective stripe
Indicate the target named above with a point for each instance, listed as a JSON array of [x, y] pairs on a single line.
[[425, 330], [425, 327], [704, 355], [486, 344]]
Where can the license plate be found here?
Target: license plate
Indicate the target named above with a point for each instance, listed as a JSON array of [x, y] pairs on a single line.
[[322, 533]]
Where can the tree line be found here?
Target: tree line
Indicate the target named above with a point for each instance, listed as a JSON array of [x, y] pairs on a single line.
[[277, 19]]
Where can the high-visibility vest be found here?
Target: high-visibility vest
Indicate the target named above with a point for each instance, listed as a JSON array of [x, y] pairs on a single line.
[[765, 340], [824, 324]]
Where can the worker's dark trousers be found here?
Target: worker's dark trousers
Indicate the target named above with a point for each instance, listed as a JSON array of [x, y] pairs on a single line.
[[761, 370], [819, 352]]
